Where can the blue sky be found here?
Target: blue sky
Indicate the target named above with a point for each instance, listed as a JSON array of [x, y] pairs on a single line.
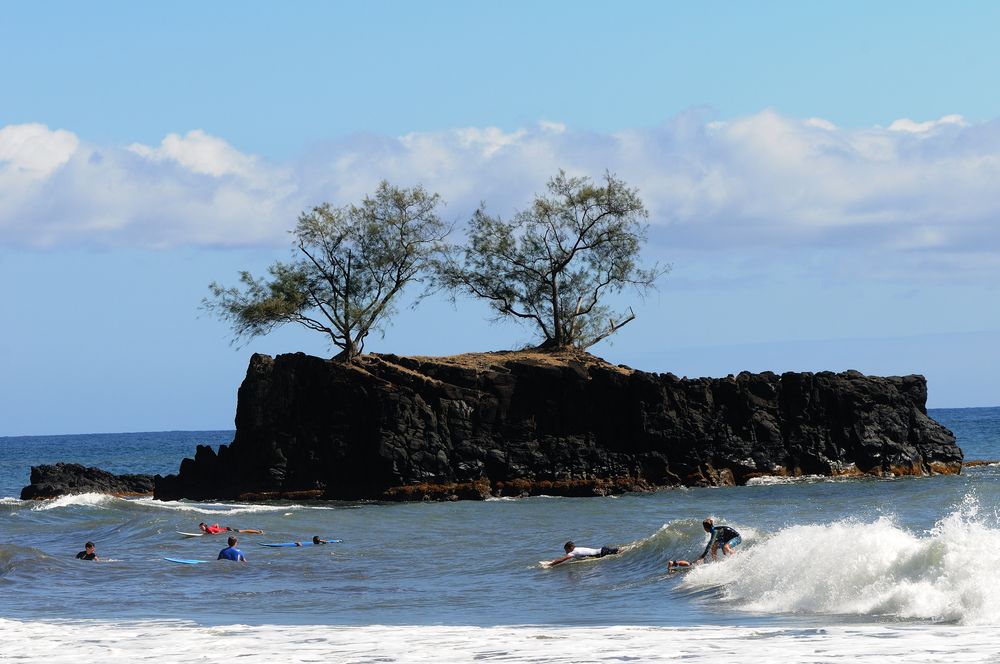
[[821, 176]]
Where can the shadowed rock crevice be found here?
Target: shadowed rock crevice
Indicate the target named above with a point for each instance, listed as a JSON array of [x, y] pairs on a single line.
[[527, 423]]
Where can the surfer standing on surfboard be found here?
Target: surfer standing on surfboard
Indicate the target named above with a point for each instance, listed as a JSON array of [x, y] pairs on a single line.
[[574, 551]]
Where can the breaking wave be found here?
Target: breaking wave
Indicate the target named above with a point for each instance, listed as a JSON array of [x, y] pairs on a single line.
[[950, 573]]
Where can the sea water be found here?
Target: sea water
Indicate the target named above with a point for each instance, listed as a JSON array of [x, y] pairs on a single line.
[[829, 570]]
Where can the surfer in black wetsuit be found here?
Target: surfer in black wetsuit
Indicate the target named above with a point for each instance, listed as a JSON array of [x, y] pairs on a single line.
[[88, 553], [719, 536]]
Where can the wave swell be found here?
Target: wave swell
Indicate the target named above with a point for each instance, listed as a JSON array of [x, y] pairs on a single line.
[[951, 573]]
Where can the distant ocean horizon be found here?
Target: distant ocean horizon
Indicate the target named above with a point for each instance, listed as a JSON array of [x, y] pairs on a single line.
[[829, 569]]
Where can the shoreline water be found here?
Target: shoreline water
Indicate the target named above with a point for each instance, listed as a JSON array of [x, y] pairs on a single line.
[[110, 643], [830, 569]]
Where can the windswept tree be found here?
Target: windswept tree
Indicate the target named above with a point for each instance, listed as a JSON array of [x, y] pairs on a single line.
[[350, 265], [552, 265]]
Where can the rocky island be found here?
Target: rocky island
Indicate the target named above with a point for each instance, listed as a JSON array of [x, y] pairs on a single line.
[[53, 480], [526, 423]]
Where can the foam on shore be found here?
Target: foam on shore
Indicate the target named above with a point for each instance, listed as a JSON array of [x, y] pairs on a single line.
[[112, 642]]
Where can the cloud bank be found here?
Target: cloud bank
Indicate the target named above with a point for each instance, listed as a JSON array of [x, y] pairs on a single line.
[[761, 180]]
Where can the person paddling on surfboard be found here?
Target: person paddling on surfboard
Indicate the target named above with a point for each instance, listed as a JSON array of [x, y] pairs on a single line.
[[718, 536], [231, 552], [316, 540], [215, 529], [574, 551]]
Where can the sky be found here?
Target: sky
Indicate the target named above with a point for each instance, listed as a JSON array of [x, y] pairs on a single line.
[[821, 178]]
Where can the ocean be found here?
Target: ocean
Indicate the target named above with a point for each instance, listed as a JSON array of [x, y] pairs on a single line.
[[830, 570]]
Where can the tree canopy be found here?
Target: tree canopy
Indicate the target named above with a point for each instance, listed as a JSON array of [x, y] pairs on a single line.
[[552, 264], [350, 264]]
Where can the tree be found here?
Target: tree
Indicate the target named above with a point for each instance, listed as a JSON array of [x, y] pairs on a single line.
[[553, 263], [352, 262]]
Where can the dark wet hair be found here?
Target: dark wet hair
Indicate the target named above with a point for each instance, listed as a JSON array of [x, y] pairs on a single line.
[[88, 545], [569, 546], [315, 539], [707, 523], [232, 541]]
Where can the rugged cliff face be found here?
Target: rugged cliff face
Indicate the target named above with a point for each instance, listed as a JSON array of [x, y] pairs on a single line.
[[472, 426], [50, 481]]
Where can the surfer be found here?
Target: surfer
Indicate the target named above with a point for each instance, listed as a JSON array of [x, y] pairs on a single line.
[[719, 536], [574, 551], [316, 540], [231, 552], [215, 529], [88, 553]]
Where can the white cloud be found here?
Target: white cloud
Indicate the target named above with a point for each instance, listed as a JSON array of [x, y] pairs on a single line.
[[191, 190], [908, 125], [201, 153], [33, 151], [762, 180]]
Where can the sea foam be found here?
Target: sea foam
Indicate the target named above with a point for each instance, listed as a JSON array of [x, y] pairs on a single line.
[[221, 509], [951, 573], [76, 499], [110, 643]]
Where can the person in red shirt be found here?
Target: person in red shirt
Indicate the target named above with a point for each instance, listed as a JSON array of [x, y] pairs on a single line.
[[215, 529]]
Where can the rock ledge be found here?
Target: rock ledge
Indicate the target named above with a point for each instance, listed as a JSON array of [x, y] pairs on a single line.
[[526, 423]]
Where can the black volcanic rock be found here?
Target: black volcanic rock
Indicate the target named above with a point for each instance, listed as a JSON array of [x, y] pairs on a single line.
[[51, 481], [473, 426]]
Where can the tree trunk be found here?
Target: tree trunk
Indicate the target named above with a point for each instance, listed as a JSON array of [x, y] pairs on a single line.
[[348, 354], [557, 331]]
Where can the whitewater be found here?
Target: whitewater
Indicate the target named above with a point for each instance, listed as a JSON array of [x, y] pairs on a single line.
[[829, 570]]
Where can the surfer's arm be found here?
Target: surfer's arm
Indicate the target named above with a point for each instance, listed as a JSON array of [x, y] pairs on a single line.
[[559, 560], [708, 547]]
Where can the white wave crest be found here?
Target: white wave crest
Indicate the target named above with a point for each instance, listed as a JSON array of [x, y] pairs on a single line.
[[770, 480], [951, 573], [151, 641], [221, 509], [90, 499]]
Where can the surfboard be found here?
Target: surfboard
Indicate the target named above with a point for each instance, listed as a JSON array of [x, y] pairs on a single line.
[[185, 561], [306, 543], [571, 561], [181, 532]]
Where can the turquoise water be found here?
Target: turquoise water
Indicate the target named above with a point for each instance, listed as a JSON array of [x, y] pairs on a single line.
[[816, 552]]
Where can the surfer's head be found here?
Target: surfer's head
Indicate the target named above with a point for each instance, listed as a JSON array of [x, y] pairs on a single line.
[[89, 546], [707, 524], [232, 541], [203, 526], [569, 546], [316, 539]]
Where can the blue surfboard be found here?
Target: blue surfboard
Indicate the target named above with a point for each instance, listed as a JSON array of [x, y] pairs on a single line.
[[306, 543], [185, 561]]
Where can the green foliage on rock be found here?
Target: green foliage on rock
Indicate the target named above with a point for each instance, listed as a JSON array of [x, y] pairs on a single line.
[[553, 264], [349, 267]]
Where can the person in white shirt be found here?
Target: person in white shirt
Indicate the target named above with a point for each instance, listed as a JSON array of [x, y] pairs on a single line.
[[574, 551]]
